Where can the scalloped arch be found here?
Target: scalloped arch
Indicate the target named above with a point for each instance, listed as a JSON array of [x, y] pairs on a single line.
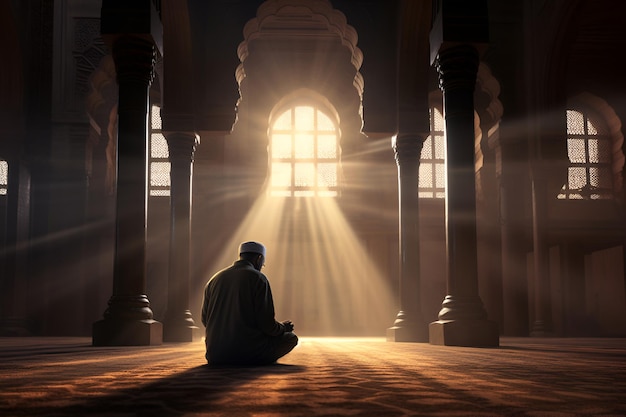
[[279, 19]]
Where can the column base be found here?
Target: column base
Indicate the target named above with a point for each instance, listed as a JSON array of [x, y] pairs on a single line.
[[109, 332], [408, 327], [175, 332], [471, 333], [407, 334], [540, 329]]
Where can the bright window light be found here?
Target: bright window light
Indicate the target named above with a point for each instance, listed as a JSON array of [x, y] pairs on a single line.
[[159, 181], [4, 177], [589, 151], [304, 153], [433, 160]]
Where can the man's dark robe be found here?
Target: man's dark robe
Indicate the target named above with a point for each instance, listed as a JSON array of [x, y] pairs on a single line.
[[238, 313]]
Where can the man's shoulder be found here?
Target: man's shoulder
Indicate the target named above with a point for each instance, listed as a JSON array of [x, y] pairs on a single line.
[[240, 269]]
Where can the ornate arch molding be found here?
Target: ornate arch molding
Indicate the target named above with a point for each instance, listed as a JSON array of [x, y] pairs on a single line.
[[488, 104], [294, 46], [291, 19], [598, 110], [488, 113], [101, 107], [489, 110], [103, 92]]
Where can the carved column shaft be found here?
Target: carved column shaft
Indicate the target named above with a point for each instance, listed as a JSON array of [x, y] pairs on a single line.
[[133, 61], [409, 324], [457, 75], [128, 319], [179, 324], [462, 319], [407, 151]]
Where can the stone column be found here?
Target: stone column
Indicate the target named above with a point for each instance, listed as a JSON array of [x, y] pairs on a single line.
[[542, 323], [128, 318], [462, 319], [409, 325], [178, 324]]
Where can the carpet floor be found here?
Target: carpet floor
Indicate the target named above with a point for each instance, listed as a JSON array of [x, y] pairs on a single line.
[[321, 377]]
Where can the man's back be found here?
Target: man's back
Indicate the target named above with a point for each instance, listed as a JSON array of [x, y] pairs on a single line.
[[238, 313]]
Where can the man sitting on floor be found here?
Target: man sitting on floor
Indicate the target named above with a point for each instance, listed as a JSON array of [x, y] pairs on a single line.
[[238, 313]]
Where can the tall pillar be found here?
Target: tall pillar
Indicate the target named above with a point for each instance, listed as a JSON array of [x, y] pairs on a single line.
[[462, 319], [128, 318], [178, 324], [409, 325], [542, 323]]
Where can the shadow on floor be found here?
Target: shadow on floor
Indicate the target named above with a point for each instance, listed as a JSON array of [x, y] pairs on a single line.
[[198, 390]]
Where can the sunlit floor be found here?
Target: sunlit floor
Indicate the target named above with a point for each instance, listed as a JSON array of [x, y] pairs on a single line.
[[321, 377]]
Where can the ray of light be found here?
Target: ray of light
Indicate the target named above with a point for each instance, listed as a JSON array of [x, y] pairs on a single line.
[[321, 275]]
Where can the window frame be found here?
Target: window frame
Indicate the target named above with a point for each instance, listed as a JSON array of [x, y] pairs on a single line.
[[160, 159], [4, 177], [292, 189], [604, 160], [432, 191]]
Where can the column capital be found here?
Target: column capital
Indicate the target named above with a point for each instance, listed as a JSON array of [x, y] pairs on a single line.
[[134, 60], [407, 147], [457, 67], [182, 145]]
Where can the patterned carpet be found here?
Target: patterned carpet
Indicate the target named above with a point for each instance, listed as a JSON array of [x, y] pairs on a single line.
[[321, 377]]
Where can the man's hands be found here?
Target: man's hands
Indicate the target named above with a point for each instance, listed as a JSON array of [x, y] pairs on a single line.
[[288, 325]]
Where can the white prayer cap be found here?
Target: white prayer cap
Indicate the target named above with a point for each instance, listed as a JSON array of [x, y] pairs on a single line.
[[254, 247]]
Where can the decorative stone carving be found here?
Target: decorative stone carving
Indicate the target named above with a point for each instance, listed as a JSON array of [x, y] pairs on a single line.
[[281, 19], [87, 52]]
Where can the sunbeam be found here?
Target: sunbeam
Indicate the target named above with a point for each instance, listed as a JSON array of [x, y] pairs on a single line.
[[322, 277]]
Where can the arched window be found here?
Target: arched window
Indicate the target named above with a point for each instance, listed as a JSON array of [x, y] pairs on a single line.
[[304, 153], [4, 177], [159, 173], [589, 176], [432, 171]]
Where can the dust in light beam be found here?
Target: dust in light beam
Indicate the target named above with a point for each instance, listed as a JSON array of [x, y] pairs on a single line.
[[322, 278]]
